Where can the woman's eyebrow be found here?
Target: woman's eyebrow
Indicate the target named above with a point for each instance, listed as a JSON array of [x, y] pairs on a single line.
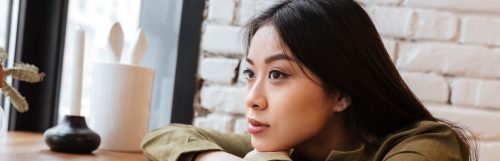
[[277, 57], [272, 58], [249, 61]]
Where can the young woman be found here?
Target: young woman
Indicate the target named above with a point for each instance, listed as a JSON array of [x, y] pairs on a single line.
[[321, 86]]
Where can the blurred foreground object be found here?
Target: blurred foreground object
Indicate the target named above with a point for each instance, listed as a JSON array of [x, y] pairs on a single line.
[[20, 71]]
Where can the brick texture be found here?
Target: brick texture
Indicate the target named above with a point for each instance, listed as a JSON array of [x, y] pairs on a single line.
[[240, 125], [222, 39], [428, 87], [228, 99], [381, 2], [451, 59], [480, 6], [217, 121], [481, 30], [473, 119], [435, 25], [221, 11], [476, 92], [250, 8], [392, 21], [221, 70]]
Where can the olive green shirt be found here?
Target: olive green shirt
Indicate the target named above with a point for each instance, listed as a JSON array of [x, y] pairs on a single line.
[[424, 141]]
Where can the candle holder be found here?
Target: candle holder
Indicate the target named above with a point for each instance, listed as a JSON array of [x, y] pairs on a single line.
[[72, 135]]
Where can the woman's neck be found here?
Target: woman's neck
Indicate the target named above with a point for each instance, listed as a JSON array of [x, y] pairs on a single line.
[[334, 136]]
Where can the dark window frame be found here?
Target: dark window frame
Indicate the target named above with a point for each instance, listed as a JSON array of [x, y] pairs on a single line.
[[40, 41], [187, 55]]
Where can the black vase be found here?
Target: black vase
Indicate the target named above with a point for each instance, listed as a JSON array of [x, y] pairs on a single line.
[[72, 135]]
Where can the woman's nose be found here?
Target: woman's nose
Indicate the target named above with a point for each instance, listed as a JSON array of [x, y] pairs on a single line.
[[255, 96]]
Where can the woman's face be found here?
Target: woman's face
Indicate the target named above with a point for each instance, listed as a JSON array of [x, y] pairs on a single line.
[[283, 105]]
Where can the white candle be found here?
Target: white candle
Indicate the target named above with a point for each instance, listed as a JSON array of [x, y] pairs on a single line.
[[77, 74]]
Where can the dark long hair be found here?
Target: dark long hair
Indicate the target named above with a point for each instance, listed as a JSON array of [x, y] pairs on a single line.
[[337, 42]]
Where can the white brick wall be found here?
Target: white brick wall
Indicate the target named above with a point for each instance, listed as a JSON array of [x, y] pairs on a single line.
[[476, 120], [435, 25], [240, 125], [428, 87], [228, 99], [221, 70], [476, 92], [457, 5], [450, 59], [384, 2], [222, 39], [481, 30], [217, 121], [392, 21], [448, 52], [221, 11], [250, 8]]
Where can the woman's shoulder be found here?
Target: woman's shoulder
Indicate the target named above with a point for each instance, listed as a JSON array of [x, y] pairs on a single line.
[[424, 127], [424, 140]]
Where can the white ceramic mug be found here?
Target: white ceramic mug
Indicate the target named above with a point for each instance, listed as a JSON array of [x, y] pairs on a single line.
[[120, 104]]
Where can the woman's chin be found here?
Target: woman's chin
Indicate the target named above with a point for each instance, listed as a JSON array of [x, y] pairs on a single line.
[[267, 146]]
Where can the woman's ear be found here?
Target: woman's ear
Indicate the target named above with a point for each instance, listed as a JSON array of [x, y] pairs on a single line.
[[342, 103]]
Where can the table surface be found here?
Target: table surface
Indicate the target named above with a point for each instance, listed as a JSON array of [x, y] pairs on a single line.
[[28, 146]]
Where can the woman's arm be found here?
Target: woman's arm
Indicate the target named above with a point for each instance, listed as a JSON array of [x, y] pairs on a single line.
[[251, 156], [178, 142], [211, 156]]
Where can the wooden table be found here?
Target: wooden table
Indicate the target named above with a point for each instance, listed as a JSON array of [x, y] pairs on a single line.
[[27, 146]]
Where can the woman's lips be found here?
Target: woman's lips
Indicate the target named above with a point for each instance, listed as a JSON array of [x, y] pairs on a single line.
[[255, 127]]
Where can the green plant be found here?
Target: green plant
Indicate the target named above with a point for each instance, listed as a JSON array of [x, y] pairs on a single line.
[[22, 72]]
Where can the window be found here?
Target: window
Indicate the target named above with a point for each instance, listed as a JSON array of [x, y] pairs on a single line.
[[96, 17], [168, 51], [42, 33], [4, 17]]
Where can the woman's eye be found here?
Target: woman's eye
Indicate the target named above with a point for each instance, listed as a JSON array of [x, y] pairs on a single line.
[[248, 74], [274, 74]]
